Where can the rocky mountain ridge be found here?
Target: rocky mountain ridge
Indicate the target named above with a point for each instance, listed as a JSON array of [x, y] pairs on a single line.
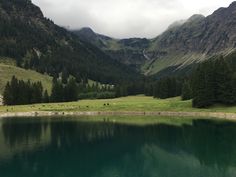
[[184, 43]]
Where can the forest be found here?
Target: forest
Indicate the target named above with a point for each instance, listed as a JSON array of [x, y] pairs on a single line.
[[211, 82]]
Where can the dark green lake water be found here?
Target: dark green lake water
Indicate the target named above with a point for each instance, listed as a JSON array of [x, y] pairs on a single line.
[[72, 148]]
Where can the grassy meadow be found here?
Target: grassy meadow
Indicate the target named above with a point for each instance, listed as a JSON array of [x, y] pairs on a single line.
[[130, 103], [7, 70]]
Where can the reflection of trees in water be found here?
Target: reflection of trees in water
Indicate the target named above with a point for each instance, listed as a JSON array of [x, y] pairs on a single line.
[[17, 132], [213, 143], [69, 133], [75, 146], [62, 133], [85, 148]]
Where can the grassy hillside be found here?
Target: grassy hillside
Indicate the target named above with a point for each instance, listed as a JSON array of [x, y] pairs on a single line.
[[7, 71], [176, 60], [131, 103]]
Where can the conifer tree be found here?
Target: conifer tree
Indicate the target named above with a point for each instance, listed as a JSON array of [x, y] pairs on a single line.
[[186, 91], [203, 85], [45, 97], [18, 92], [223, 82], [71, 90], [7, 96], [57, 92], [64, 76]]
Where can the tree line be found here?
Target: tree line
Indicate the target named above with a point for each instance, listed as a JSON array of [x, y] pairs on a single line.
[[18, 92], [164, 88], [211, 82]]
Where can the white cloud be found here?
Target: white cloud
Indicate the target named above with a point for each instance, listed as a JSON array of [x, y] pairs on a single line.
[[125, 18]]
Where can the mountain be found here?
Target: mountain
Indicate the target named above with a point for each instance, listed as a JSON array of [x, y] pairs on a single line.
[[197, 39], [127, 51], [179, 48], [35, 42]]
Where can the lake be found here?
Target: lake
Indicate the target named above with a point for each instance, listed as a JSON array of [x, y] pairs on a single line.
[[77, 147]]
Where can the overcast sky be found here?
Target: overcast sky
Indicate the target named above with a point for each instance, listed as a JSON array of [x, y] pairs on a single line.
[[125, 18]]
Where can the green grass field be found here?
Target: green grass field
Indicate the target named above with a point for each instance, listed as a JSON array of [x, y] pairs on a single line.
[[7, 71], [131, 103]]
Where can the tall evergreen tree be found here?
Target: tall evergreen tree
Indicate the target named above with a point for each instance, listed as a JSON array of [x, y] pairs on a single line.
[[212, 83], [203, 85], [223, 82], [71, 90], [46, 98], [18, 92], [186, 91], [7, 96], [64, 76], [57, 92]]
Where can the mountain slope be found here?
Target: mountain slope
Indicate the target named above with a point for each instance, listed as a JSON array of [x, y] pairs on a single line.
[[195, 40], [7, 71], [127, 51], [179, 48], [37, 43]]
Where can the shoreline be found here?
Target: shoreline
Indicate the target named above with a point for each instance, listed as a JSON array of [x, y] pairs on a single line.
[[218, 115]]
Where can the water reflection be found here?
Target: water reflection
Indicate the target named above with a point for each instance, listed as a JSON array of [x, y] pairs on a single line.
[[18, 132], [72, 148]]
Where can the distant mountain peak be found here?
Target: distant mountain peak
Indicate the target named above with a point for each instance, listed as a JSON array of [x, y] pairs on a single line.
[[196, 17], [233, 4], [176, 24], [21, 8], [226, 11], [87, 29], [87, 34]]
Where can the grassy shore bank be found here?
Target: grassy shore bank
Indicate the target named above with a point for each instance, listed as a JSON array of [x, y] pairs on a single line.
[[132, 103], [127, 106]]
